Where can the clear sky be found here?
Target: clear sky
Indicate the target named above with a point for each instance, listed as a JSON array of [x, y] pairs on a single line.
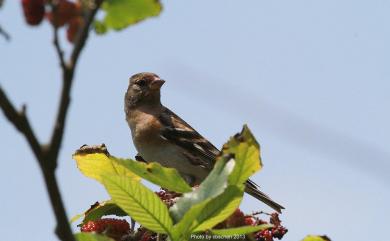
[[310, 78]]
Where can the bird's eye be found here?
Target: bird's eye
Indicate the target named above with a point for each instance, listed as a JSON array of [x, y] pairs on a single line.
[[141, 82]]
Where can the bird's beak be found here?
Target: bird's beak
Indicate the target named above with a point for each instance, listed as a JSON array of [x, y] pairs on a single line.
[[156, 84]]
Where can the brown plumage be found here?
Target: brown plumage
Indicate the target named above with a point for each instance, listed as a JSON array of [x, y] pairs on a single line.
[[159, 135]]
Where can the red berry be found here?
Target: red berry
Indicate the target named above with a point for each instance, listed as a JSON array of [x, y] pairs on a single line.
[[73, 28], [64, 12], [249, 221], [265, 235], [114, 228], [237, 219], [34, 11]]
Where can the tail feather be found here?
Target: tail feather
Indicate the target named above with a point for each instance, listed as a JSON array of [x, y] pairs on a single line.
[[251, 189]]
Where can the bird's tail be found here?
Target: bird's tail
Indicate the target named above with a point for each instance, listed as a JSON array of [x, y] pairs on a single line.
[[252, 189]]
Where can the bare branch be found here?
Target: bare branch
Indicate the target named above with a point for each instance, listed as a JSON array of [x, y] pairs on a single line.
[[83, 34], [20, 121], [58, 48], [68, 74], [47, 155], [5, 34]]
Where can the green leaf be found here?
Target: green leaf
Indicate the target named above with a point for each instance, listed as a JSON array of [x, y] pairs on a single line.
[[120, 14], [241, 230], [91, 237], [219, 208], [100, 28], [246, 152], [164, 177], [139, 202], [208, 213], [316, 238], [99, 210], [213, 185], [95, 165]]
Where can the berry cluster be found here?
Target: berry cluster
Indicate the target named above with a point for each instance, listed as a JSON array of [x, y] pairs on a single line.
[[115, 228], [238, 219], [278, 231], [61, 13], [168, 197]]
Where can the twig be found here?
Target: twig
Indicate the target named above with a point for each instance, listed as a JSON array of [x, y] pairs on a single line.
[[47, 155], [83, 34], [21, 123], [58, 48], [68, 73], [5, 34]]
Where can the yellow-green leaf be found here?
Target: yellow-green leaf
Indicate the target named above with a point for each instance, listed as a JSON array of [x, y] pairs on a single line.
[[139, 202], [95, 161], [95, 165], [120, 14], [164, 177], [316, 238]]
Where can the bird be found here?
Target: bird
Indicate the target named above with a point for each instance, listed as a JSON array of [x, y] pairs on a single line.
[[159, 135]]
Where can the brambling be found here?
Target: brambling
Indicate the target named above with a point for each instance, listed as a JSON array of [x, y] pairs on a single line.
[[159, 135]]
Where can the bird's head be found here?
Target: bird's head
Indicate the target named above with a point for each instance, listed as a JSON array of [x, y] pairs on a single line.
[[144, 88]]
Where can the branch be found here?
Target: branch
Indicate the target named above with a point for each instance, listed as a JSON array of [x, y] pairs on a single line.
[[58, 48], [21, 123], [83, 35], [68, 73], [5, 34], [47, 155]]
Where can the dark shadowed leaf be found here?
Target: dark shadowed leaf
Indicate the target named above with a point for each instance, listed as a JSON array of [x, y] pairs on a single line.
[[99, 210]]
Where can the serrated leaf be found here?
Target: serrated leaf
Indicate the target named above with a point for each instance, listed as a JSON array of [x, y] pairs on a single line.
[[164, 177], [213, 185], [120, 14], [99, 210], [208, 213], [139, 202], [316, 238], [246, 153], [241, 230], [91, 237], [97, 164]]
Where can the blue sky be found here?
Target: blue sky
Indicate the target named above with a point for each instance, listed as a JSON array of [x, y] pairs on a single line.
[[310, 78]]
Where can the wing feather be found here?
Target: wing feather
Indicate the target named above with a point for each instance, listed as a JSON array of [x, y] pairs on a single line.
[[182, 134]]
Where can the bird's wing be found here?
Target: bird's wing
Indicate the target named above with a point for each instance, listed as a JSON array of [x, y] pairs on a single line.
[[198, 149]]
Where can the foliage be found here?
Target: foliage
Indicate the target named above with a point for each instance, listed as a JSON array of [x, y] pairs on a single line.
[[316, 238], [119, 14], [214, 203]]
